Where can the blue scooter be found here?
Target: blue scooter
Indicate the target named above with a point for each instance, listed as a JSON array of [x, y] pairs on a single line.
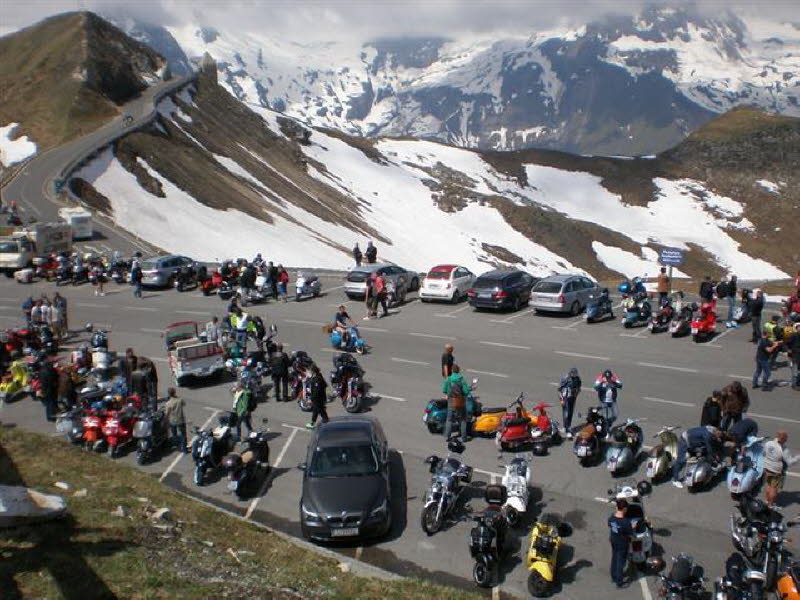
[[637, 313], [599, 307], [745, 473], [355, 343]]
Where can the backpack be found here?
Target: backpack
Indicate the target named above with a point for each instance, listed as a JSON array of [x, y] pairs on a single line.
[[722, 289]]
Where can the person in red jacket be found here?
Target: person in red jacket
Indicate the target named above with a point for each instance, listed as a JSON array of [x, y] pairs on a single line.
[[283, 282]]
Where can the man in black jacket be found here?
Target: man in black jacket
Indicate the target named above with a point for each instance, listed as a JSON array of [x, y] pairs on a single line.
[[707, 290], [48, 379], [319, 397], [279, 365], [756, 308]]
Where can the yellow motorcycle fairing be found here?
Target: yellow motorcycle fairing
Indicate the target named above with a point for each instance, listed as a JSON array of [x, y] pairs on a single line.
[[543, 563], [16, 379], [489, 422]]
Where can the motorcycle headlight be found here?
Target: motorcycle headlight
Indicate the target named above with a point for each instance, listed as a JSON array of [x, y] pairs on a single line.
[[380, 510]]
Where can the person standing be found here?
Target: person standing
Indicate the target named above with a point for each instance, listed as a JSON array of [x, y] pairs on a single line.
[[56, 321], [173, 411], [136, 280], [706, 292], [447, 361], [279, 365], [792, 345], [357, 255], [283, 282], [735, 402], [272, 277], [607, 385], [731, 295], [61, 303], [27, 309], [36, 313], [776, 461], [568, 388], [381, 293], [456, 390], [620, 530], [712, 410], [243, 406], [48, 392], [663, 286], [371, 253], [756, 308], [150, 375], [214, 331], [319, 397], [764, 352]]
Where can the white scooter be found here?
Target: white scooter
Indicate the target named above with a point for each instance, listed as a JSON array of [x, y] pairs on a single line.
[[517, 481], [659, 462], [641, 544], [307, 286]]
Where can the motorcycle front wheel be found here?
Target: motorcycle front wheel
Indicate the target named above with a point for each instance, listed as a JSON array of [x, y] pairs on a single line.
[[304, 404], [353, 404], [430, 524], [141, 457], [512, 516], [482, 574]]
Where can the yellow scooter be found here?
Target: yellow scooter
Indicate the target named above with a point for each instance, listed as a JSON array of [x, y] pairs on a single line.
[[489, 420], [15, 381], [542, 559]]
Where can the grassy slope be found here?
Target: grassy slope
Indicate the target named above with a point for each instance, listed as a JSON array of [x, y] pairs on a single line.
[[134, 557], [63, 77]]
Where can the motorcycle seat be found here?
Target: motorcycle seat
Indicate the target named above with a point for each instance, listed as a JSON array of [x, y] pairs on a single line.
[[493, 409], [516, 422], [247, 456]]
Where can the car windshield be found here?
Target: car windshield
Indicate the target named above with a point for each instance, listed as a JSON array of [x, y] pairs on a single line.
[[9, 247], [343, 461], [548, 287], [439, 275], [149, 266], [482, 284], [357, 276]]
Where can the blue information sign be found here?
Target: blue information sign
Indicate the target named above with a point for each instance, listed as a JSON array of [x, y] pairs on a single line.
[[672, 257]]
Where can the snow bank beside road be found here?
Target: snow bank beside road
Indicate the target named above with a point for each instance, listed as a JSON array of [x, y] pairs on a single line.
[[14, 150]]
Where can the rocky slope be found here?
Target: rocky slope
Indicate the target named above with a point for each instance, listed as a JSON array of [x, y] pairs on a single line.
[[624, 85], [68, 74]]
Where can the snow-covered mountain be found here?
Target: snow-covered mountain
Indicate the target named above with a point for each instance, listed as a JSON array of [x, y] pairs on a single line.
[[622, 85]]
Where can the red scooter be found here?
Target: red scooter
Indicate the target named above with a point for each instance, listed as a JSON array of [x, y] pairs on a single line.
[[515, 430], [118, 425], [545, 429], [704, 324], [92, 422]]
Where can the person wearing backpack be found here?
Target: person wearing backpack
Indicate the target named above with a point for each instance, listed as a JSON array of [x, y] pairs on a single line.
[[706, 292], [456, 390], [318, 391]]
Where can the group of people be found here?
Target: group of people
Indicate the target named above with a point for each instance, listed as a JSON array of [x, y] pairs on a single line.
[[52, 313], [370, 254]]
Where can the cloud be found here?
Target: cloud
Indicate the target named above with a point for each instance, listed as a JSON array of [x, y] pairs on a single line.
[[306, 20]]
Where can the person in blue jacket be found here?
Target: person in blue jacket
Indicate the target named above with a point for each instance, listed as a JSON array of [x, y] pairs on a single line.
[[707, 437]]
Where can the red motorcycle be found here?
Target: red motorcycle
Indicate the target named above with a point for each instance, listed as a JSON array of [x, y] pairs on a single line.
[[515, 429], [92, 423], [119, 423], [17, 341], [210, 284], [545, 429], [704, 324]]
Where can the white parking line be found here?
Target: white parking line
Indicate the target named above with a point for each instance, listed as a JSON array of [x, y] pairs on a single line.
[[668, 367], [675, 402], [338, 287], [783, 419], [599, 499], [411, 362], [141, 308], [452, 313], [501, 345], [90, 305], [254, 503], [577, 355], [436, 337], [191, 312], [645, 590], [181, 454], [745, 377], [300, 322], [387, 396], [159, 359], [519, 314], [146, 330], [493, 374], [376, 329]]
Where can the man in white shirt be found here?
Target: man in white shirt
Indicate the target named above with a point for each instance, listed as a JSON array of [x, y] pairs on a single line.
[[776, 461]]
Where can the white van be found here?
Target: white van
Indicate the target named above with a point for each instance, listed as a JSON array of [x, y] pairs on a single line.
[[80, 220]]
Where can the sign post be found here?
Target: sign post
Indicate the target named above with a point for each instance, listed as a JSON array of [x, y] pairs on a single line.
[[670, 257]]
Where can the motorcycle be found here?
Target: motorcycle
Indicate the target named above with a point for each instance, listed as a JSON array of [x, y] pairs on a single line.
[[515, 429], [92, 427], [516, 480], [63, 275], [745, 473], [681, 323], [739, 582], [661, 320], [599, 307], [488, 420], [80, 274], [225, 291], [449, 477], [434, 416], [307, 286], [588, 439], [626, 441], [353, 343], [211, 445], [47, 341], [299, 369], [70, 425], [15, 382], [347, 382], [487, 538], [118, 428], [700, 470], [542, 558], [704, 325], [638, 313], [151, 432], [640, 550], [545, 431], [244, 467], [662, 455], [788, 586], [684, 581], [741, 314]]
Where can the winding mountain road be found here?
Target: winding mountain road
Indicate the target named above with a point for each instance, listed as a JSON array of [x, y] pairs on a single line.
[[33, 185]]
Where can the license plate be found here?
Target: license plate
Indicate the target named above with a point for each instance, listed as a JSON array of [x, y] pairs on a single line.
[[694, 330], [344, 532], [650, 326], [582, 451], [485, 295]]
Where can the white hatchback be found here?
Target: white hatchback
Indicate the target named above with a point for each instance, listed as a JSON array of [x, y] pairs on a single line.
[[446, 282]]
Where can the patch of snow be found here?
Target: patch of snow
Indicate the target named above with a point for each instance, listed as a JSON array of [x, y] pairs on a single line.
[[628, 263], [771, 187], [14, 150], [237, 169], [169, 110]]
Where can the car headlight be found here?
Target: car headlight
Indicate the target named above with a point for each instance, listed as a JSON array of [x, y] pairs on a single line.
[[380, 510], [308, 513]]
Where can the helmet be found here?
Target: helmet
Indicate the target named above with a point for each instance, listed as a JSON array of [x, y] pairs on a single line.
[[608, 374]]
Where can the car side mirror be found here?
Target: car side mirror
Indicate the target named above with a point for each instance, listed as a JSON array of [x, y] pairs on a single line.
[[302, 467]]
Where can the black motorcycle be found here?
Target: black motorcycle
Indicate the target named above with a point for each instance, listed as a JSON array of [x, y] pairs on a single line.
[[739, 582], [151, 432], [211, 445], [487, 538], [63, 275], [80, 275], [299, 368], [684, 581], [245, 468], [449, 478], [47, 341], [347, 382]]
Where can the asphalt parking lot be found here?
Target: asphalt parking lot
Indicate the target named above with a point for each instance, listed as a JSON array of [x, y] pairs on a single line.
[[665, 382]]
